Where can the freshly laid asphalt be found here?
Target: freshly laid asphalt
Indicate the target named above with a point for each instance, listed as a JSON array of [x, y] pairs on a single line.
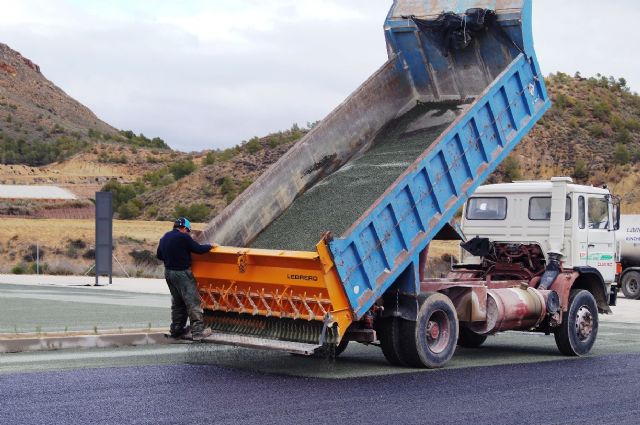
[[600, 390], [514, 378]]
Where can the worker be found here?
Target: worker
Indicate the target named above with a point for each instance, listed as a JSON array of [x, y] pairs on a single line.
[[175, 250]]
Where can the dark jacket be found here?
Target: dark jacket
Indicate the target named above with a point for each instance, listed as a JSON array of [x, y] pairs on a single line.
[[175, 250]]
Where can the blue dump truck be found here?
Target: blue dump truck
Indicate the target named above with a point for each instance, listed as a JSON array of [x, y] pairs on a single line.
[[329, 245]]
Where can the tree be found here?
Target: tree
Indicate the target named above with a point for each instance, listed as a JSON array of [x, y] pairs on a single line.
[[121, 193], [621, 154]]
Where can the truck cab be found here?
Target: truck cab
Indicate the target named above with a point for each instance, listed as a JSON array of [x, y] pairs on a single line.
[[573, 223]]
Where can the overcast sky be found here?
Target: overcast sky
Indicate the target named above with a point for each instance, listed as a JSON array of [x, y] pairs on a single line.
[[209, 74]]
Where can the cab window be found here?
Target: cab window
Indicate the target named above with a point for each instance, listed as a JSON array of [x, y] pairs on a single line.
[[540, 208], [487, 209], [598, 213]]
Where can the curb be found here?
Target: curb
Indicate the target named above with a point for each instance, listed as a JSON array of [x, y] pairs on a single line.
[[21, 345]]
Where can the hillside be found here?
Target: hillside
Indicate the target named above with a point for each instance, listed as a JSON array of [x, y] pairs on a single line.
[[40, 124], [591, 133]]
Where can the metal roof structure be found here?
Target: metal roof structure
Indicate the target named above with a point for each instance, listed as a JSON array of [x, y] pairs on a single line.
[[43, 192]]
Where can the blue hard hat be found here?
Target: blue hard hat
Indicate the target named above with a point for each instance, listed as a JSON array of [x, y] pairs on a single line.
[[183, 222]]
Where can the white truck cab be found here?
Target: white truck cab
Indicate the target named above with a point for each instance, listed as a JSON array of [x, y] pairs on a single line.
[[572, 223]]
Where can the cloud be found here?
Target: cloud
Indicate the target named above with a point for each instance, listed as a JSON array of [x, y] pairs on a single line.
[[204, 74]]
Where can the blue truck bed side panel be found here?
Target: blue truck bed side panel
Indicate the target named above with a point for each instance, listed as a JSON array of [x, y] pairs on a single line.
[[390, 235]]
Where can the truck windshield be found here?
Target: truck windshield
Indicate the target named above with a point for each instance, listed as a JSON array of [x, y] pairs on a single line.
[[487, 209]]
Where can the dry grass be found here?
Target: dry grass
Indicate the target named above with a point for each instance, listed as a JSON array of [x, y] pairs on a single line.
[[57, 232], [65, 244]]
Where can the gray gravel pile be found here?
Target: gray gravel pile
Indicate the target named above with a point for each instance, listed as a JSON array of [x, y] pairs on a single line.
[[340, 199]]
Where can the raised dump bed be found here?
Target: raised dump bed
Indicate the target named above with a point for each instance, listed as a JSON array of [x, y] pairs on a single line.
[[386, 171]]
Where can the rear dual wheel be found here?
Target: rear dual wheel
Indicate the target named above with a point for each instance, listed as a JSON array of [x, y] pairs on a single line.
[[469, 339], [429, 341]]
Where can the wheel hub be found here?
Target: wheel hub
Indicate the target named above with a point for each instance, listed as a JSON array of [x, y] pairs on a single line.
[[634, 286], [433, 329], [438, 332], [584, 323]]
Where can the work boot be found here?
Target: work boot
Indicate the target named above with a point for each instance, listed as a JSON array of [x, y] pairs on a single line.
[[179, 333], [198, 337]]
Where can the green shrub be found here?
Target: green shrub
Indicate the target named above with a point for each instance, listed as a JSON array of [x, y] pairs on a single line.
[[580, 170], [194, 212], [226, 184], [596, 130], [601, 111], [130, 138], [128, 211], [181, 169], [621, 154], [144, 258], [512, 168], [623, 136], [152, 211], [272, 142], [210, 158], [122, 193], [18, 269], [253, 145], [37, 153], [244, 184]]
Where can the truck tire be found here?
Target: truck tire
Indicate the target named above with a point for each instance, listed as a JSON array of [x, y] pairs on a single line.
[[631, 285], [579, 329], [431, 340], [469, 339], [388, 330]]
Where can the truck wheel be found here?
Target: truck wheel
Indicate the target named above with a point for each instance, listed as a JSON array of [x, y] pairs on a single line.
[[388, 330], [631, 285], [577, 333], [431, 340], [469, 339]]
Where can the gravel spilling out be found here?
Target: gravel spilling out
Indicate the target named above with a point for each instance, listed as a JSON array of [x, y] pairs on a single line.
[[337, 201]]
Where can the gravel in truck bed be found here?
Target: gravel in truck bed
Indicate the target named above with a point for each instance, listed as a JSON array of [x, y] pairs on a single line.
[[337, 201]]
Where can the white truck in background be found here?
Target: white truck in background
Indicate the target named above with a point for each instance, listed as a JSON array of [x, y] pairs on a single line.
[[533, 225], [628, 248]]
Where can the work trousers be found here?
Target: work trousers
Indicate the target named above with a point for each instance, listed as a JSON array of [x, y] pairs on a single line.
[[185, 301]]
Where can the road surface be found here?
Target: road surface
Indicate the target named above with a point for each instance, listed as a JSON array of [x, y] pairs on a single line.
[[600, 390]]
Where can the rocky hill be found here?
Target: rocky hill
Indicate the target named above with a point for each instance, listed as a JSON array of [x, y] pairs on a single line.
[[591, 133], [35, 107], [41, 124]]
